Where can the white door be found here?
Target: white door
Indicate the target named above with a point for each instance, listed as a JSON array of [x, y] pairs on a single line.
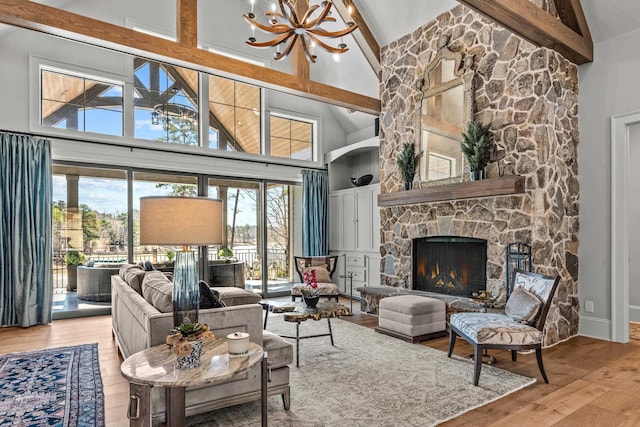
[[363, 219]]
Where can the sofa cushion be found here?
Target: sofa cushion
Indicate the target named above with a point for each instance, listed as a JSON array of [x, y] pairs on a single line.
[[279, 351], [133, 275], [209, 298], [157, 290], [237, 296]]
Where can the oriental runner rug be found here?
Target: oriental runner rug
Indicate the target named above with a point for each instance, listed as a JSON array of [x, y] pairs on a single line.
[[52, 387], [370, 380]]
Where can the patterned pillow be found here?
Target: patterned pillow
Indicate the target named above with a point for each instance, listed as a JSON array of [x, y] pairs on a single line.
[[522, 306], [322, 274]]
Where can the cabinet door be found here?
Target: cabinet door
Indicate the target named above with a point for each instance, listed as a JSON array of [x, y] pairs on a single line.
[[336, 221], [348, 220], [363, 219], [375, 220], [340, 271], [373, 269]]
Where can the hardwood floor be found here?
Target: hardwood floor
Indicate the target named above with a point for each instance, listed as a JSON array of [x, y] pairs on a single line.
[[592, 382]]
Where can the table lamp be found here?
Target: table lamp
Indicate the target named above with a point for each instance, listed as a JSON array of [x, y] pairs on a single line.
[[182, 221]]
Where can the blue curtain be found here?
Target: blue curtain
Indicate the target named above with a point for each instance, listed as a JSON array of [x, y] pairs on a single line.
[[26, 289], [315, 208]]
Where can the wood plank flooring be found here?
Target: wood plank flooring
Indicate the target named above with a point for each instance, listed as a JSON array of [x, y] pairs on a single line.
[[592, 382]]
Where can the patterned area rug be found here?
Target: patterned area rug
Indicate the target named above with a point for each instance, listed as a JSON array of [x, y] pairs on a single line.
[[52, 387], [369, 379]]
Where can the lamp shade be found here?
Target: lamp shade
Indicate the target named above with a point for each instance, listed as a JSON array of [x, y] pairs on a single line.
[[176, 221]]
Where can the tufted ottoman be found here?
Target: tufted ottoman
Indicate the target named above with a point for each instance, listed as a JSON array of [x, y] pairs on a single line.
[[412, 318]]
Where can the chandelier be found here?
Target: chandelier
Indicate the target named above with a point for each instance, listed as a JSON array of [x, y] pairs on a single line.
[[288, 28], [181, 116]]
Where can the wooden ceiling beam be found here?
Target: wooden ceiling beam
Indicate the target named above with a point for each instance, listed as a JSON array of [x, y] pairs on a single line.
[[572, 15], [363, 36], [527, 20], [61, 23], [187, 22]]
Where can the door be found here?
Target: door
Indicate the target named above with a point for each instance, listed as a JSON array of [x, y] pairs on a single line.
[[362, 200], [348, 220], [336, 220]]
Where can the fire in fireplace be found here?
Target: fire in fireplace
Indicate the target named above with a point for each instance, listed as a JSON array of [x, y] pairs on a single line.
[[450, 265]]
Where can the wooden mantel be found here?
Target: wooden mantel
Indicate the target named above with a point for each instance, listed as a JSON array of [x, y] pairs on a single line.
[[503, 186]]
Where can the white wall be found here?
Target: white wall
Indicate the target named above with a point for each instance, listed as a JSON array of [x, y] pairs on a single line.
[[634, 224], [608, 86]]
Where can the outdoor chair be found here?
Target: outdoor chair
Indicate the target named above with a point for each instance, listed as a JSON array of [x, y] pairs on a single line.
[[324, 266], [520, 328]]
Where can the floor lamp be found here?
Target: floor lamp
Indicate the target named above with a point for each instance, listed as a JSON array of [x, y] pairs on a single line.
[[182, 221]]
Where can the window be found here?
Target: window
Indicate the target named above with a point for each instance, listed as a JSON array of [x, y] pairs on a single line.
[[234, 116], [440, 167], [165, 102], [80, 103], [291, 138]]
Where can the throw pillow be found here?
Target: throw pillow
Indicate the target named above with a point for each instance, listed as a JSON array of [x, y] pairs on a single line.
[[522, 306], [209, 298], [133, 275], [158, 290], [322, 274], [147, 266]]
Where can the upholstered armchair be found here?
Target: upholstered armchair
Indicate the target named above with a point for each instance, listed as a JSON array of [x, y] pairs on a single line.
[[519, 328], [324, 266]]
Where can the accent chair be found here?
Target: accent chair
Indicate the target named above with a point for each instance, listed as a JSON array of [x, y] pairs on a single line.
[[520, 328], [325, 266]]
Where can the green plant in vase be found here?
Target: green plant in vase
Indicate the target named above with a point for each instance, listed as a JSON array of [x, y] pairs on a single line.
[[406, 162], [73, 259], [476, 144]]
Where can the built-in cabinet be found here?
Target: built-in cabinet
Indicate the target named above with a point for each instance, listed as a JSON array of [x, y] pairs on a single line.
[[354, 236]]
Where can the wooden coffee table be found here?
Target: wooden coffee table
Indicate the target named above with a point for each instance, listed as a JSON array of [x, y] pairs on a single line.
[[157, 367], [299, 313]]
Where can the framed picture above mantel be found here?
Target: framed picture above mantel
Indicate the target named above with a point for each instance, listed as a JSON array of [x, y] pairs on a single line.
[[502, 186]]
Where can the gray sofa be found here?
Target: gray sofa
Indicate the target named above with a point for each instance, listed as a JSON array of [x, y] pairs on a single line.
[[138, 324]]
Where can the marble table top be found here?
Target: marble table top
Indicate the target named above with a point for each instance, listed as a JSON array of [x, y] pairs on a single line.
[[156, 366]]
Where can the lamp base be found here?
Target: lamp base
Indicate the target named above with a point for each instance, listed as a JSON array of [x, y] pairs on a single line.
[[186, 294]]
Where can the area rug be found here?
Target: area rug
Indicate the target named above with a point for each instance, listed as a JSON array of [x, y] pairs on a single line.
[[52, 387], [369, 379]]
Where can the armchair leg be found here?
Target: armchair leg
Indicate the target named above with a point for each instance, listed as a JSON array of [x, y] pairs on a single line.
[[478, 350], [540, 365], [452, 341], [514, 355], [286, 399]]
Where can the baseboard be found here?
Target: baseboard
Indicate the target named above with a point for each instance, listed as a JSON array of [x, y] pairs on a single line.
[[595, 328], [634, 313]]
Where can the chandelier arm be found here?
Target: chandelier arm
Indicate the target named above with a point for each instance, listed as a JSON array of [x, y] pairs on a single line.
[[273, 42], [333, 34], [320, 19], [292, 42], [292, 17], [305, 48], [276, 29], [307, 16], [327, 47]]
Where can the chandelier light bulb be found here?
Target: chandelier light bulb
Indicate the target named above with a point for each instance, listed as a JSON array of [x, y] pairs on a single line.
[[336, 57]]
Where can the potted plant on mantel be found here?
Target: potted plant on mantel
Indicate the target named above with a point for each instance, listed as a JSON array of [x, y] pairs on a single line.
[[406, 162], [476, 147]]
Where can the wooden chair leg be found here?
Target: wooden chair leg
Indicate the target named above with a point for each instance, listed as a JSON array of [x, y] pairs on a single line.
[[452, 341], [477, 357], [540, 365], [514, 355], [286, 399], [293, 298]]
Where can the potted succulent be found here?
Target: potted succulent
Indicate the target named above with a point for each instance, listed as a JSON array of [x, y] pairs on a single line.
[[406, 162], [477, 140], [73, 259], [186, 342]]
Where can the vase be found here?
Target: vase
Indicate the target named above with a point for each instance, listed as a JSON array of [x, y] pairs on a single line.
[[408, 185], [311, 301], [477, 175], [192, 360]]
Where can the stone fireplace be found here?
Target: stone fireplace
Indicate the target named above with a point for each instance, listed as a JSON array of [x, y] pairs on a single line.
[[528, 96], [449, 265]]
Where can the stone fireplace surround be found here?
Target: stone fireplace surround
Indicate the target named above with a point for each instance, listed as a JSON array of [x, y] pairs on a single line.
[[529, 97]]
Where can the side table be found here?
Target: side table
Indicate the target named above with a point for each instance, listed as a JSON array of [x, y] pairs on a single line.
[[156, 367]]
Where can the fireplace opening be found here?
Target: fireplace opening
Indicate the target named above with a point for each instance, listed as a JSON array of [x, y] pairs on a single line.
[[450, 265]]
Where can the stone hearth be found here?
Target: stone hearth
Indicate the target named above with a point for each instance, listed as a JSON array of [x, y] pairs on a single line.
[[528, 95]]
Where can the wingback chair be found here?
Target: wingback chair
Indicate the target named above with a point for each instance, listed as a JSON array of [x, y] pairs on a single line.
[[520, 328], [325, 266]]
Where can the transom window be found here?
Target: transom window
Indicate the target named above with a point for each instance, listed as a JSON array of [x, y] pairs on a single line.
[[291, 138]]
